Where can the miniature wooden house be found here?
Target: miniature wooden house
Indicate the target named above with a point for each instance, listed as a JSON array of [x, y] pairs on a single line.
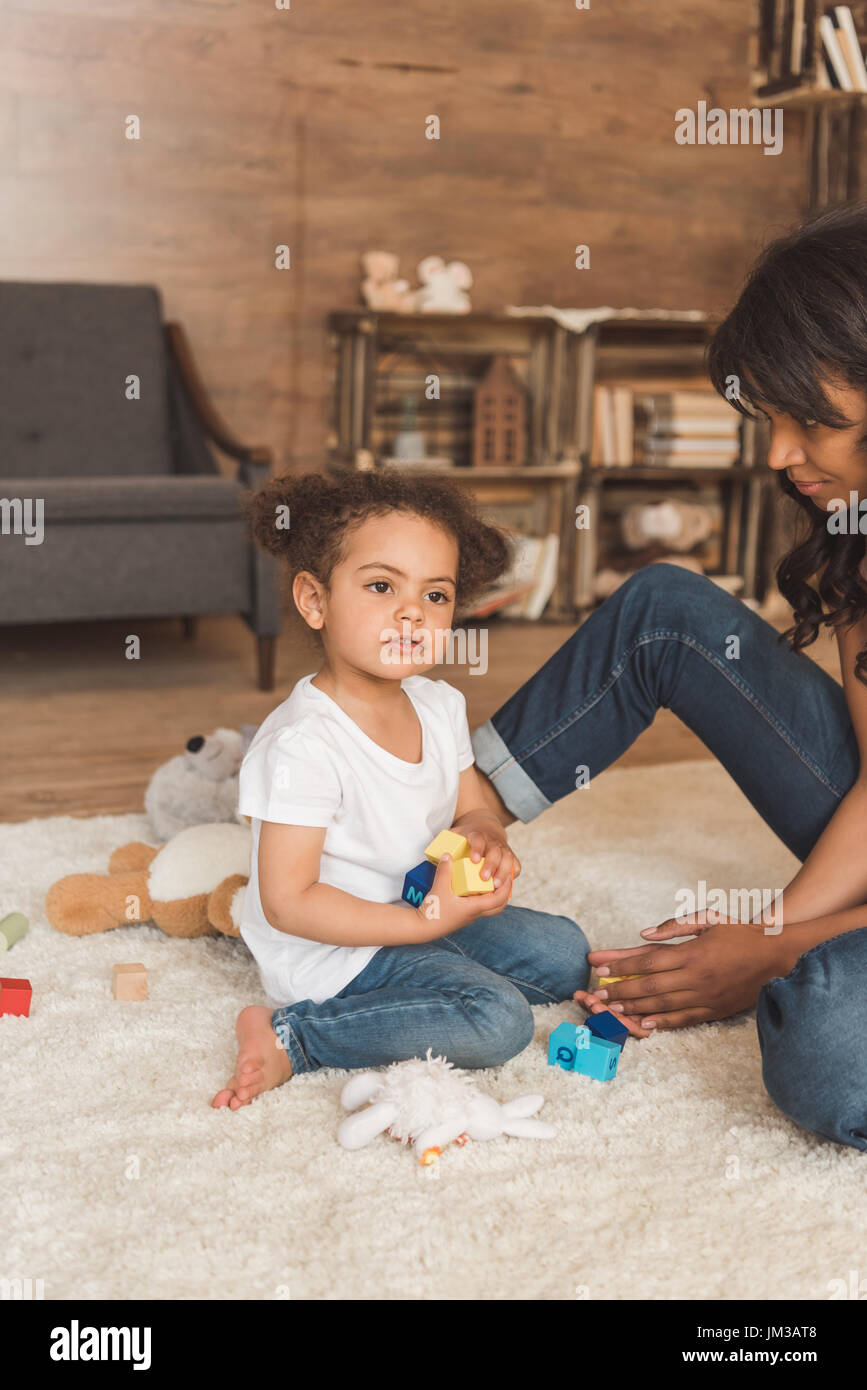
[[500, 422]]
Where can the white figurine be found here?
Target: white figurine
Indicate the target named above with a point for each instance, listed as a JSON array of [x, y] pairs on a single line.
[[429, 1103]]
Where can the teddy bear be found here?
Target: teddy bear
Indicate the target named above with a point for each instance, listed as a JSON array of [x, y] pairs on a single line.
[[676, 524], [198, 786], [191, 886], [430, 1103], [443, 286], [380, 288]]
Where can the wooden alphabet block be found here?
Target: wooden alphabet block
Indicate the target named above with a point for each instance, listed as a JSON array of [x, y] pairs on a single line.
[[417, 883], [566, 1041], [15, 997], [447, 842], [129, 982], [467, 879], [599, 1060]]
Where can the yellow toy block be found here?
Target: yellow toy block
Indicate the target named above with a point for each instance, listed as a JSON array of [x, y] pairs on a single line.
[[615, 979], [447, 842], [466, 878]]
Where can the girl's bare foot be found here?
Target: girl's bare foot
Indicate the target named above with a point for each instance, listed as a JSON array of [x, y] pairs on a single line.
[[262, 1062]]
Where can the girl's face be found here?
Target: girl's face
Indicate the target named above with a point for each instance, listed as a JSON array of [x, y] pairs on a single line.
[[389, 597], [823, 463]]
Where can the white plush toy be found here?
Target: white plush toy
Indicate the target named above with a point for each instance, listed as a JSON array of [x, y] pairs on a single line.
[[443, 286], [199, 786], [429, 1103]]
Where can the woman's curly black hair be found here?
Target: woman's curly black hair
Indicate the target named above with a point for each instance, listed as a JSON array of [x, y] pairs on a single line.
[[322, 509], [801, 320]]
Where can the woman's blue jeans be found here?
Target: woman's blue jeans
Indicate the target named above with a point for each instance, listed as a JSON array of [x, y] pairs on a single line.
[[781, 728]]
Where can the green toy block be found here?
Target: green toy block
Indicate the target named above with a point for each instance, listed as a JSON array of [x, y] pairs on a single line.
[[599, 1060], [12, 928]]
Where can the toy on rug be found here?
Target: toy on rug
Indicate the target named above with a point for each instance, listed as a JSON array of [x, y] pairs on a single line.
[[590, 1051], [429, 1103], [12, 928], [199, 786], [129, 981], [15, 997], [192, 886]]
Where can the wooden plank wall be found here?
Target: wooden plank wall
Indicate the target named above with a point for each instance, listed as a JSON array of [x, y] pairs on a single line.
[[305, 126]]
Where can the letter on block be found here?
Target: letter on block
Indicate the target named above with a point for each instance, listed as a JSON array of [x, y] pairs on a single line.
[[608, 1027], [15, 996], [599, 1060], [129, 981], [447, 842], [417, 883], [566, 1041], [467, 879]]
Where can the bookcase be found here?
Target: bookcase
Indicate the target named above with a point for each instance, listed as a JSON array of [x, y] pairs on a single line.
[[377, 358], [789, 71]]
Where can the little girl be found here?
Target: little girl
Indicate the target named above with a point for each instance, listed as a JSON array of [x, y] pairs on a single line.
[[351, 777]]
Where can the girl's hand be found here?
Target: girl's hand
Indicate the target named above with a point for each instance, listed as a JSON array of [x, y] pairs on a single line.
[[487, 840], [717, 974], [443, 912]]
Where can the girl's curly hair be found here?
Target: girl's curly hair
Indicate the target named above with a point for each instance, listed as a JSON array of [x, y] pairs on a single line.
[[321, 510], [801, 321]]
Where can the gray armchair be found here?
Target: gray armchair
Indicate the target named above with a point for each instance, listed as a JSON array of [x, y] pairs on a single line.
[[138, 521]]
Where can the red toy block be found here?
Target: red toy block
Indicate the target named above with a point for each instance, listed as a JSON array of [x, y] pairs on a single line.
[[15, 996]]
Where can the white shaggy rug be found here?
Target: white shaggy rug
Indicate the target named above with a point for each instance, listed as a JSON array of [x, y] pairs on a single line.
[[679, 1179]]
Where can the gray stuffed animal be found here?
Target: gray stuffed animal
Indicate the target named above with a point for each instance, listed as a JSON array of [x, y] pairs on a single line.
[[200, 785]]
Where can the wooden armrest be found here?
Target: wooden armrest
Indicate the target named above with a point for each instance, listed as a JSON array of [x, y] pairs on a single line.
[[206, 413]]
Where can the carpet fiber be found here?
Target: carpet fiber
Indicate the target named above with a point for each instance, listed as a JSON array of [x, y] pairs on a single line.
[[679, 1179]]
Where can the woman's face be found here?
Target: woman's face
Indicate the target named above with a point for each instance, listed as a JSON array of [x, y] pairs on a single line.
[[823, 463]]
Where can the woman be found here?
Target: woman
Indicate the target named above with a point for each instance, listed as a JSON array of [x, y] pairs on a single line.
[[792, 739]]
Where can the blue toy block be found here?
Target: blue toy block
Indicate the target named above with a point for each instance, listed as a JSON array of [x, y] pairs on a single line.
[[599, 1060], [608, 1027], [417, 883], [564, 1044]]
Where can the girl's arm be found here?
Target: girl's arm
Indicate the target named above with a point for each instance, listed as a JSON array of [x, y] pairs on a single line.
[[834, 875], [294, 901]]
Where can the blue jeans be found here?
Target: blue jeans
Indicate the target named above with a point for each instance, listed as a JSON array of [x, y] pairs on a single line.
[[781, 728], [467, 996]]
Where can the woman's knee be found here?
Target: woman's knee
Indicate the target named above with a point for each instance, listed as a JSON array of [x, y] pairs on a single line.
[[814, 1053]]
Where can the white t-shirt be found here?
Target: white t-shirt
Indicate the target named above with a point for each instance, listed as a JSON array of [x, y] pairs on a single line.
[[310, 764]]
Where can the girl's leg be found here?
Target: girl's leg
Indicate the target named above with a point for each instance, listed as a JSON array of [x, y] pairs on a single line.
[[408, 999], [669, 638], [543, 956]]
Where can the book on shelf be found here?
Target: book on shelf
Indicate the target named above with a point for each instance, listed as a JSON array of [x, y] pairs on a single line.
[[634, 426], [841, 62], [529, 582]]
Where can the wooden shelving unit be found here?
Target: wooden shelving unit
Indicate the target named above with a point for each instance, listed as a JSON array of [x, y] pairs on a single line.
[[633, 348], [561, 369], [834, 119]]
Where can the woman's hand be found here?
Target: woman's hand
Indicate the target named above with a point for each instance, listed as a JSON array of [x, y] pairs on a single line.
[[442, 911], [717, 974], [487, 840]]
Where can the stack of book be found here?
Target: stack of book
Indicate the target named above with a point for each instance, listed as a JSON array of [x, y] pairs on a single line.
[[788, 30], [842, 64], [674, 428]]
